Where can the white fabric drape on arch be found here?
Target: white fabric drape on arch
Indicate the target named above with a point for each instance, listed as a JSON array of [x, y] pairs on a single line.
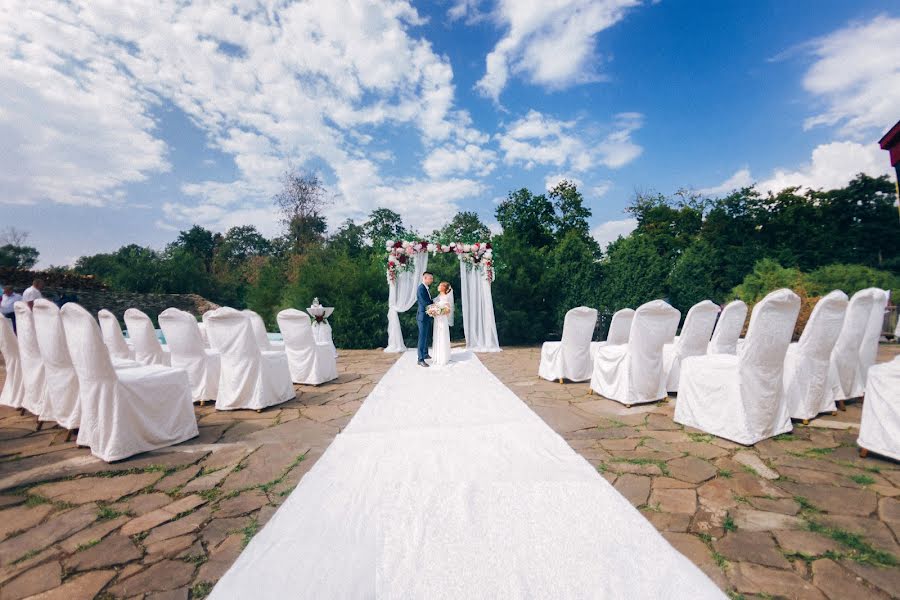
[[478, 310], [401, 297]]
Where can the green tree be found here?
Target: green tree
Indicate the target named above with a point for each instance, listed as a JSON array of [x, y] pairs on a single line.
[[240, 243], [301, 201], [571, 213], [767, 275], [350, 238], [464, 227], [200, 243], [849, 279], [18, 257], [694, 276], [574, 275], [633, 273], [383, 225], [521, 291], [528, 217]]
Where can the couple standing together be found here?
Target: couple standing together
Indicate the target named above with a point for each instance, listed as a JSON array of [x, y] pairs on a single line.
[[442, 323]]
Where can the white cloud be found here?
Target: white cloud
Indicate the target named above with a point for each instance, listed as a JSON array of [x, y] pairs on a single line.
[[832, 166], [857, 76], [608, 232], [469, 158], [618, 149], [551, 181], [602, 188], [740, 179], [548, 43], [302, 83], [540, 139]]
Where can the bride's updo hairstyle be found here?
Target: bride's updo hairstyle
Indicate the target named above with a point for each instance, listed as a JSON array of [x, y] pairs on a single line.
[[444, 287]]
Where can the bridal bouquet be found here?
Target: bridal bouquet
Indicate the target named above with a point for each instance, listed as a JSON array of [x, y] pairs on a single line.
[[437, 310]]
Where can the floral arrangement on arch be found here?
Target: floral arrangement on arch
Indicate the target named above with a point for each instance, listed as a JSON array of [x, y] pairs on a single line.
[[476, 256]]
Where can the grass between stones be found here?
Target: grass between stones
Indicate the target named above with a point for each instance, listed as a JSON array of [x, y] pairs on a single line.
[[201, 589], [660, 464], [858, 549], [86, 545], [107, 513], [862, 479]]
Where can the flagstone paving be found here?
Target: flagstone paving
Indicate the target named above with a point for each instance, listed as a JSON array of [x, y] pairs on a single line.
[[798, 516], [164, 524], [801, 516]]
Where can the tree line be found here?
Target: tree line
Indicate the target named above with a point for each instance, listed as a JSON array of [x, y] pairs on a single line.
[[685, 248]]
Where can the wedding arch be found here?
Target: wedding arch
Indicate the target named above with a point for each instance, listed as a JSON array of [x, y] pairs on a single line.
[[407, 260]]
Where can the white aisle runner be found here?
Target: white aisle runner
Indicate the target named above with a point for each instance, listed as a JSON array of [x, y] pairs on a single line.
[[446, 485]]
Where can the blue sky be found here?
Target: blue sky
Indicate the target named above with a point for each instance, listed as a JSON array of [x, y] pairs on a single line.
[[124, 124]]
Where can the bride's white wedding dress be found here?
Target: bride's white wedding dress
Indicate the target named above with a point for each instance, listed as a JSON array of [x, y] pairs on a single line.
[[441, 336]]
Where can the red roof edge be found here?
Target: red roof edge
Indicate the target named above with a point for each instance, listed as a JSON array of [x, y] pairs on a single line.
[[891, 138]]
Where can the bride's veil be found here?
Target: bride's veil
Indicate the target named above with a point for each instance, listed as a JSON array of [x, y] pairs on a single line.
[[452, 307]]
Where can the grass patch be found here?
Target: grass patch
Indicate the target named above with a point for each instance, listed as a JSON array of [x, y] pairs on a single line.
[[26, 556], [805, 505], [35, 500], [705, 537], [610, 423], [862, 479], [602, 468], [195, 559], [86, 545], [725, 473], [784, 437], [751, 470], [729, 525], [249, 531], [813, 453], [107, 513], [701, 437], [651, 508], [660, 464], [201, 589], [210, 495], [734, 595], [721, 561], [858, 549], [741, 499], [268, 486]]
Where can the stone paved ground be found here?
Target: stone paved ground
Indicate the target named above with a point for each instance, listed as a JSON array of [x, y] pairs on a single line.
[[798, 517], [165, 524]]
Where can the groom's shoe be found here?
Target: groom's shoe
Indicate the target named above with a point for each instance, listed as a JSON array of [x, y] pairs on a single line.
[[422, 363], [428, 357]]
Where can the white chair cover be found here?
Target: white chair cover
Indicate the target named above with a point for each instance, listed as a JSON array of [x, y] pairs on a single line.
[[844, 360], [62, 404], [260, 333], [879, 430], [147, 349], [633, 373], [728, 328], [570, 358], [310, 362], [806, 362], [250, 378], [32, 363], [693, 341], [202, 328], [112, 336], [618, 331], [868, 348], [188, 352], [125, 411], [741, 398], [13, 393], [322, 334]]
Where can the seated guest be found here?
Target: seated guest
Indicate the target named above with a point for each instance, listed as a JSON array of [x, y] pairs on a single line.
[[33, 293], [7, 301]]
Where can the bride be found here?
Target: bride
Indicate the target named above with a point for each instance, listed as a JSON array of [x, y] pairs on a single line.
[[442, 324]]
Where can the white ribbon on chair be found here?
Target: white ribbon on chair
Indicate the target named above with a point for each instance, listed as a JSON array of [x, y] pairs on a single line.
[[401, 297]]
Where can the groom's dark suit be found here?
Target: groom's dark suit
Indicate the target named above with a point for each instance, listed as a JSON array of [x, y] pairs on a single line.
[[424, 300]]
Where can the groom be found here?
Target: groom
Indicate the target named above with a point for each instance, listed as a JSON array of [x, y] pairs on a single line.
[[423, 297]]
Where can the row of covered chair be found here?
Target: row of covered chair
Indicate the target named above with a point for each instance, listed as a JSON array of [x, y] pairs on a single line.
[[126, 396], [713, 370]]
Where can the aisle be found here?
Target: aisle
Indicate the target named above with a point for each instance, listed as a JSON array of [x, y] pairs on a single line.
[[446, 485]]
